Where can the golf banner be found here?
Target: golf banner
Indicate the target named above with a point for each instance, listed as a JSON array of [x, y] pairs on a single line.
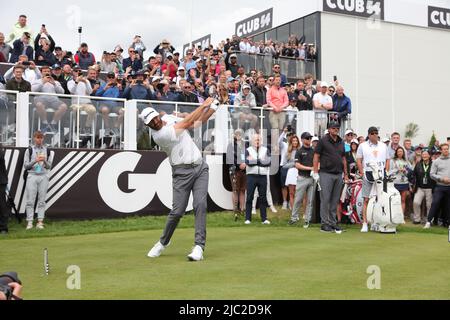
[[90, 184]]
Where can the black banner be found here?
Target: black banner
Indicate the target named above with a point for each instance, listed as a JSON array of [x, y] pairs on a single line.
[[85, 184], [258, 23], [359, 8], [438, 17]]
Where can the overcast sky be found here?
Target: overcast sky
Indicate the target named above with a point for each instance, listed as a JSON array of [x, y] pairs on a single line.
[[108, 23]]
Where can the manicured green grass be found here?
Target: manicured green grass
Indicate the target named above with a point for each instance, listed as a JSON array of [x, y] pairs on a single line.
[[241, 262]]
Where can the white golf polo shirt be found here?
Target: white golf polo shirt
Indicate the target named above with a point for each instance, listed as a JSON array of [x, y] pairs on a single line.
[[373, 153], [180, 149]]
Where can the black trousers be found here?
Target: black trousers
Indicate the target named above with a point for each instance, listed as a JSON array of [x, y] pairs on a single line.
[[253, 182], [4, 210], [441, 199]]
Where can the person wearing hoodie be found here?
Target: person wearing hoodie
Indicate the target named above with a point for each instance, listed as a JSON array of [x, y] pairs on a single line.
[[19, 29], [440, 172], [245, 101]]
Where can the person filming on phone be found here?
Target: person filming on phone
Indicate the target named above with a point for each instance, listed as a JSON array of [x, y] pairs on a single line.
[[37, 164]]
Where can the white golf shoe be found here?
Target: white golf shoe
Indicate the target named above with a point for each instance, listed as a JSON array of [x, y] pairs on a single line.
[[427, 226], [196, 254], [273, 209], [365, 228], [248, 222], [267, 222], [156, 251], [30, 225]]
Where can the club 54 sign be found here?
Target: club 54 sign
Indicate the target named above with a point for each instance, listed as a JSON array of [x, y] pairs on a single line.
[[360, 8], [439, 17], [255, 24]]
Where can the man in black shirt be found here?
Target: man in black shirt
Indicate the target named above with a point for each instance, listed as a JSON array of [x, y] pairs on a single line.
[[305, 183], [330, 153]]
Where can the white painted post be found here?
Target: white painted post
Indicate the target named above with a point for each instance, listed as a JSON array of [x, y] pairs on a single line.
[[130, 125], [22, 120]]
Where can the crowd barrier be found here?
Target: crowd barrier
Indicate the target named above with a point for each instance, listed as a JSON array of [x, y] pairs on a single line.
[[86, 122]]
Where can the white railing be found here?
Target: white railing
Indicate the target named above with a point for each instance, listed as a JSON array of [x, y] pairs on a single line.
[[229, 118]]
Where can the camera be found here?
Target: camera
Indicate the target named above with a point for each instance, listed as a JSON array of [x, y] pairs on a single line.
[[289, 128], [80, 29], [6, 279], [26, 63]]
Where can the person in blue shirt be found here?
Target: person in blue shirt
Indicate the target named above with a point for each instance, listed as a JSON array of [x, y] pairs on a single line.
[[111, 89]]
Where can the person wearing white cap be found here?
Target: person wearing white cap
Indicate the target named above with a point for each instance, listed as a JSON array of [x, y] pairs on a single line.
[[314, 142], [181, 75], [189, 171], [371, 151], [348, 139], [322, 104]]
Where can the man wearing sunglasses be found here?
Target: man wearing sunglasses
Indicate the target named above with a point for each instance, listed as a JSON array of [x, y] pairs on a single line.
[[277, 72], [371, 151], [134, 60]]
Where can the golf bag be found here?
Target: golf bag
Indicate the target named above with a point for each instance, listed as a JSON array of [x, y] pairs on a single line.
[[384, 210], [352, 202]]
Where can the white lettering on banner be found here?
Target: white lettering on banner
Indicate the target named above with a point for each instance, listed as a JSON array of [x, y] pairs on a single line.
[[365, 8], [438, 17], [144, 185], [255, 24], [265, 21]]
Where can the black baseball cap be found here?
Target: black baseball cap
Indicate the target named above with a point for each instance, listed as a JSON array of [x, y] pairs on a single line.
[[306, 136], [56, 66], [372, 130], [111, 75], [334, 124]]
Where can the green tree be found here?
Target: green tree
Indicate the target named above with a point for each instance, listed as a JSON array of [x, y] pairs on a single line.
[[432, 141]]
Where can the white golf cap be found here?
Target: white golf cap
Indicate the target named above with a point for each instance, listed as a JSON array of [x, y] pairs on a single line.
[[324, 84], [314, 139], [355, 141], [148, 115], [386, 140], [348, 132]]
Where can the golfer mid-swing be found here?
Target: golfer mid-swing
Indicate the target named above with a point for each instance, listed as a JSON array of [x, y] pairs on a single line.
[[189, 172]]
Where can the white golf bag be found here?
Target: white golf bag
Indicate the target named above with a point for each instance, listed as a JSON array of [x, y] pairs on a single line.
[[384, 211]]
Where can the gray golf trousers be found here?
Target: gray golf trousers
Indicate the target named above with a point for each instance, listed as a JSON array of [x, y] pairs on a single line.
[[186, 179], [331, 185], [304, 185], [37, 185]]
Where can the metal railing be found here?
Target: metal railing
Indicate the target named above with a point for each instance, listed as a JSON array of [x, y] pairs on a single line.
[[131, 134], [291, 67]]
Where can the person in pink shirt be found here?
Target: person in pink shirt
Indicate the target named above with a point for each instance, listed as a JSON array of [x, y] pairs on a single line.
[[278, 100]]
